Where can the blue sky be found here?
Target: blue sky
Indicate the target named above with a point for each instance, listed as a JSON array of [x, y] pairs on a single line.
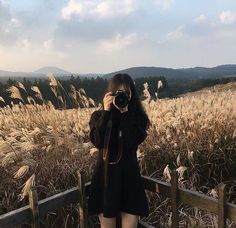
[[101, 36]]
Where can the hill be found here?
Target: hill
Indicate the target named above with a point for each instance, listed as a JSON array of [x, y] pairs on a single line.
[[216, 88], [221, 71], [138, 72], [51, 69], [214, 72], [181, 73], [4, 74]]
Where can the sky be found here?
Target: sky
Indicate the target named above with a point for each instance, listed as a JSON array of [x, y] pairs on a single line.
[[101, 36]]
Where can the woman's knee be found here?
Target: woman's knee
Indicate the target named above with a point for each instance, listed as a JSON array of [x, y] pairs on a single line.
[[129, 220], [107, 222]]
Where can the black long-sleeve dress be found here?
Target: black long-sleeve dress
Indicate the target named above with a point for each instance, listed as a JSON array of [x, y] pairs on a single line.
[[125, 191]]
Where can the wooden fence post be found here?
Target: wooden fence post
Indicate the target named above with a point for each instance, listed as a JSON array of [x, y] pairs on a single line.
[[174, 199], [33, 203], [83, 201], [221, 206]]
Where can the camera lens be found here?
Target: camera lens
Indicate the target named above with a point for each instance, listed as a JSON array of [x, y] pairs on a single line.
[[121, 99]]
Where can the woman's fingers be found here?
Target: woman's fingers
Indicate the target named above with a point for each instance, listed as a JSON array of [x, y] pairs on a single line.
[[108, 94], [108, 99]]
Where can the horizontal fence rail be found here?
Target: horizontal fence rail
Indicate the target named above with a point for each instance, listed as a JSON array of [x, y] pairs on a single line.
[[23, 215], [30, 214]]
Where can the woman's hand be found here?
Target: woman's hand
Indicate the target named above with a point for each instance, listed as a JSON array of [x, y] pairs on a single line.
[[107, 100]]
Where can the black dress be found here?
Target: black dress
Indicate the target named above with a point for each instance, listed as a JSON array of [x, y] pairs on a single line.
[[125, 191]]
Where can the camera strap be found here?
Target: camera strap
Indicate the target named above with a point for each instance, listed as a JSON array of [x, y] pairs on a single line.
[[105, 153]]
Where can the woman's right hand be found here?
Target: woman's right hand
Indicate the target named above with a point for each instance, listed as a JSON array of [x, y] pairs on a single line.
[[107, 101]]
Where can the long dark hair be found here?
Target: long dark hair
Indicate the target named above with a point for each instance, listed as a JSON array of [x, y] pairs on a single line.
[[135, 106]]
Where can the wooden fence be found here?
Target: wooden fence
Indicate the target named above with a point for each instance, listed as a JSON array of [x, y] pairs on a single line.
[[31, 214]]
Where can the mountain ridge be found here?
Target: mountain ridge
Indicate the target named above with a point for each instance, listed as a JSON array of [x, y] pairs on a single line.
[[181, 73], [197, 72], [55, 70]]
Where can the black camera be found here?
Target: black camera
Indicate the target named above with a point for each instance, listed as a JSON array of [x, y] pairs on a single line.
[[121, 98]]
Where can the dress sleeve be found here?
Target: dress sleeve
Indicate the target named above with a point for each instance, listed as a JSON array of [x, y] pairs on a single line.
[[134, 134], [97, 124]]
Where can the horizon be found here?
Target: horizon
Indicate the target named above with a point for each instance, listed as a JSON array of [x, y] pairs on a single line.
[[91, 37], [229, 64]]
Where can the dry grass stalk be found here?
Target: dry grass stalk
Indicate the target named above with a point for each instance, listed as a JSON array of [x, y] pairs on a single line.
[[21, 172], [27, 185], [15, 93]]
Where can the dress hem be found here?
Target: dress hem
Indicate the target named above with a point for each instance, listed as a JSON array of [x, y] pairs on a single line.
[[121, 210]]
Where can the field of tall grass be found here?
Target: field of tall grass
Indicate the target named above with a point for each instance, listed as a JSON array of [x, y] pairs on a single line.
[[195, 134]]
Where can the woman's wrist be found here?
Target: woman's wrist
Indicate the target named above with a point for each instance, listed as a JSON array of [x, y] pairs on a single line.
[[107, 109]]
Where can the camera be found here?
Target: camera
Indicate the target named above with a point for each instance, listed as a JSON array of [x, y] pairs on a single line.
[[121, 98]]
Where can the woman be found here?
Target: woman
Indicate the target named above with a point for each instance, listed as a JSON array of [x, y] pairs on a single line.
[[116, 185]]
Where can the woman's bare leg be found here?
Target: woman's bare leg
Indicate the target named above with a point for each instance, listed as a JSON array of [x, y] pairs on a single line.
[[129, 220], [107, 222]]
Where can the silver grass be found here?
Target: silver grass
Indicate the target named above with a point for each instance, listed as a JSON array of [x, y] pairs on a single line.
[[27, 185], [20, 85], [2, 100], [21, 172], [14, 93]]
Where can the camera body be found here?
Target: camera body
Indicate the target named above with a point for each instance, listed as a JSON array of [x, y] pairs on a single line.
[[121, 98]]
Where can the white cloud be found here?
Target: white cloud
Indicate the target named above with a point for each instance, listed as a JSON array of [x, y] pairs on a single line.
[[165, 4], [12, 25], [15, 21], [71, 8], [118, 42], [102, 8], [9, 24], [176, 34], [26, 44], [200, 18], [113, 8], [48, 44], [227, 17]]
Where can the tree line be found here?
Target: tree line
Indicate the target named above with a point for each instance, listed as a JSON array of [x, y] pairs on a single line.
[[94, 88]]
